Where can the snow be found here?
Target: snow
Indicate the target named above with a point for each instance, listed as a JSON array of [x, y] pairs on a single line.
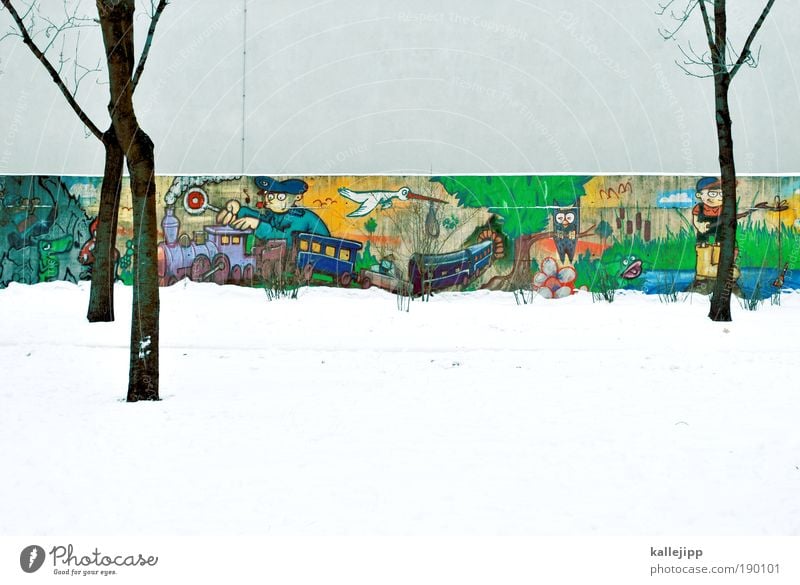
[[338, 414]]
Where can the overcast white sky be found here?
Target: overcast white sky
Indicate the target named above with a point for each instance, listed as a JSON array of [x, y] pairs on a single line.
[[418, 86]]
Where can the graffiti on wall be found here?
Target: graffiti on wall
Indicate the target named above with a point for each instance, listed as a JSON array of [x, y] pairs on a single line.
[[43, 226], [551, 234]]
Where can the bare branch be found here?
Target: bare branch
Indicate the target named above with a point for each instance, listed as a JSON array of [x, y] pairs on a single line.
[[681, 18], [705, 58], [692, 73], [52, 31], [752, 61], [694, 59], [76, 78], [707, 25], [9, 33], [749, 60], [156, 14], [26, 38], [12, 32], [663, 7], [745, 56]]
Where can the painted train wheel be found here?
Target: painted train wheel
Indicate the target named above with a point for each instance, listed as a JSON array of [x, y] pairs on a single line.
[[222, 269], [345, 279], [497, 242], [247, 275], [366, 282], [236, 274], [201, 266]]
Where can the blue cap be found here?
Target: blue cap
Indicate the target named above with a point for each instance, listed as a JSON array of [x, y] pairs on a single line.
[[708, 183], [289, 186]]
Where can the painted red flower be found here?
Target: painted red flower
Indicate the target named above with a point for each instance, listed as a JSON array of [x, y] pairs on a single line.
[[554, 282]]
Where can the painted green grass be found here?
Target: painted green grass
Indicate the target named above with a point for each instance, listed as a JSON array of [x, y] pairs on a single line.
[[675, 251], [758, 247]]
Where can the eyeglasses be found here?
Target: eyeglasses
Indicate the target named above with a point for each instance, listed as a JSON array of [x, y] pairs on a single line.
[[278, 196], [716, 193]]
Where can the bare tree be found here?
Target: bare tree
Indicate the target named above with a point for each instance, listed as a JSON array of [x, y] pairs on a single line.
[[117, 25], [123, 141], [721, 62], [101, 297]]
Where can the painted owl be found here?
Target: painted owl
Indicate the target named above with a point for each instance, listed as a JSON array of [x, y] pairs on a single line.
[[566, 227]]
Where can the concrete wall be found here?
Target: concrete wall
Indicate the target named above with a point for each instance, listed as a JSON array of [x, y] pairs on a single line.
[[415, 86]]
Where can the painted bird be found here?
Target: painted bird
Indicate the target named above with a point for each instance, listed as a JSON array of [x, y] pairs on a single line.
[[369, 200]]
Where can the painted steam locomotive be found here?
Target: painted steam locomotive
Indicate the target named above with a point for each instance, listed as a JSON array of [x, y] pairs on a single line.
[[218, 254], [429, 272]]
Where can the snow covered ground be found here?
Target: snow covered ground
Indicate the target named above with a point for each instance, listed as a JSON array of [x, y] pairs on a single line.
[[338, 414]]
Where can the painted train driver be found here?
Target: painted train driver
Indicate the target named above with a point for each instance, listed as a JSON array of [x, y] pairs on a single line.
[[279, 218]]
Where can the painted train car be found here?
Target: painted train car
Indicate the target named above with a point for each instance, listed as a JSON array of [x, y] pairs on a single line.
[[429, 272], [334, 257]]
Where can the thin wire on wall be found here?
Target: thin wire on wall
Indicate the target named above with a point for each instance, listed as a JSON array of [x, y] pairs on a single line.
[[244, 80]]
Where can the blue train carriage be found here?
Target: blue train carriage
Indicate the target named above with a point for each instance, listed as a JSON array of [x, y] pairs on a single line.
[[482, 255], [429, 272], [335, 257]]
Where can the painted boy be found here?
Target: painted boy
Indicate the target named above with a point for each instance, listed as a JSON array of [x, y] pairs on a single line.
[[706, 214], [279, 218]]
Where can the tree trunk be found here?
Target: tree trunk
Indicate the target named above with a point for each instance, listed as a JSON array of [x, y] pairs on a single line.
[[726, 232], [521, 272], [116, 23], [143, 377], [101, 297], [520, 275]]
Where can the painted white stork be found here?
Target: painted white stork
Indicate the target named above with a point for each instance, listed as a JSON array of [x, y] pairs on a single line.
[[369, 200]]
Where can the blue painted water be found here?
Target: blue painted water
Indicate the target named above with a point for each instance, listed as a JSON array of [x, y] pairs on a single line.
[[750, 281]]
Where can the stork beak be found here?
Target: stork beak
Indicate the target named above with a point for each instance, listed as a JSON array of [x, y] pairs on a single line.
[[425, 198]]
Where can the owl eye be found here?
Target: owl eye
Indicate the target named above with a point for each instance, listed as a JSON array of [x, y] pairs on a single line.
[[570, 217], [559, 217]]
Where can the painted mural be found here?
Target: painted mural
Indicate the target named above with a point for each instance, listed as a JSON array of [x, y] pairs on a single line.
[[417, 235], [43, 228]]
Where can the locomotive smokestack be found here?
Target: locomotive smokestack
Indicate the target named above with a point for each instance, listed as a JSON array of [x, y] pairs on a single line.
[[170, 225]]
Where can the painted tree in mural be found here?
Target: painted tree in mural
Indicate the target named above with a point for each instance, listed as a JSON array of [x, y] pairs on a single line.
[[525, 204], [103, 249], [124, 141], [723, 63]]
